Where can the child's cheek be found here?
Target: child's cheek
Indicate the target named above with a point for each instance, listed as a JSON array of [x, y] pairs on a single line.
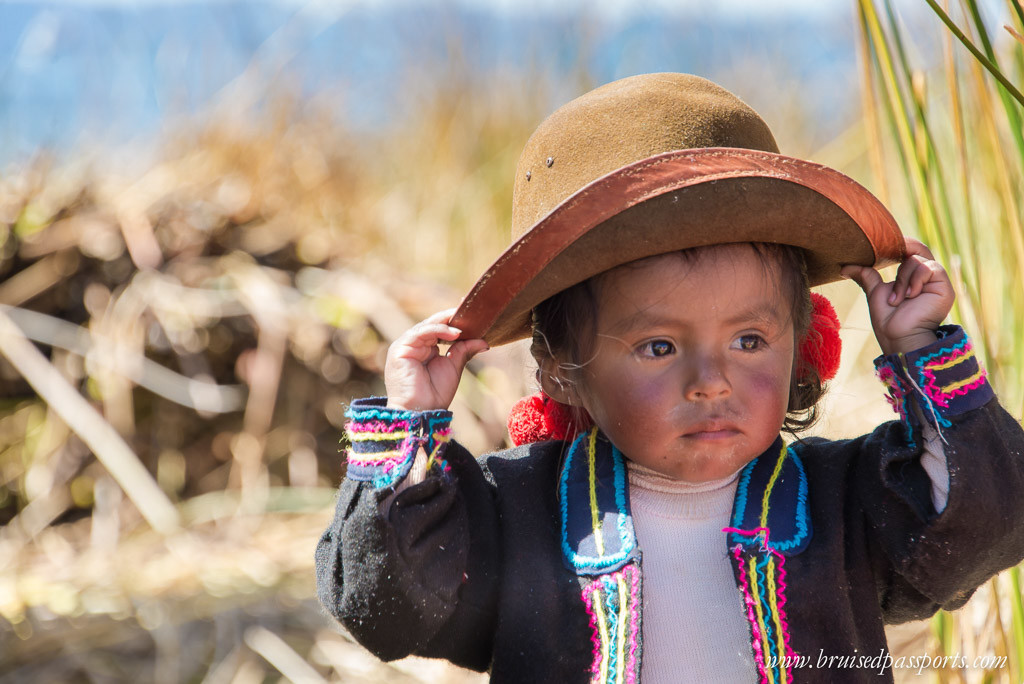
[[771, 388], [634, 402], [616, 398]]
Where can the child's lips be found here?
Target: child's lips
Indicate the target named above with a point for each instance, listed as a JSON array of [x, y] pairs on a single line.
[[711, 431]]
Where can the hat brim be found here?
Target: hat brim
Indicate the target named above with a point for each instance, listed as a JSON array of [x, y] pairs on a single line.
[[674, 201]]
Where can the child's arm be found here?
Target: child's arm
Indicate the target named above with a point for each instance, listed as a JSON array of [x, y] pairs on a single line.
[[418, 377], [906, 315], [934, 556], [412, 568]]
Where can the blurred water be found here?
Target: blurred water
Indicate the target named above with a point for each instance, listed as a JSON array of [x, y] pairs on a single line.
[[83, 74]]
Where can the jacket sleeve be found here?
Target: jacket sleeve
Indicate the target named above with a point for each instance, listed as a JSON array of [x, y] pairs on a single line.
[[413, 572], [924, 560]]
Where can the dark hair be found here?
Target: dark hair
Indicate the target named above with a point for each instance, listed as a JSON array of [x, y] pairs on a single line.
[[563, 328]]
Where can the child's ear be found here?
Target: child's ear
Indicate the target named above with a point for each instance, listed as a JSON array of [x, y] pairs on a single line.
[[555, 384]]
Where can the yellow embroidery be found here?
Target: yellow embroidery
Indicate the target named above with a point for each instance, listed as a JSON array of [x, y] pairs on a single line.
[[771, 485], [595, 516]]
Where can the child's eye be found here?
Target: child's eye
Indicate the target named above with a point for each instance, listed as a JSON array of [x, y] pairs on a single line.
[[657, 348], [749, 342]]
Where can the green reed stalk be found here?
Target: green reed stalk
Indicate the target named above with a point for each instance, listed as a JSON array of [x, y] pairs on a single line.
[[964, 179], [960, 145], [905, 123], [1016, 619], [897, 110], [944, 629], [986, 61], [1013, 113], [931, 163]]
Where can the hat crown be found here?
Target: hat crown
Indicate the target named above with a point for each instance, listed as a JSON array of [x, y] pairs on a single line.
[[621, 123]]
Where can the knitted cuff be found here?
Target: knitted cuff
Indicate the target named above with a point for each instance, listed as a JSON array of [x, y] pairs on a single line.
[[944, 378], [385, 441]]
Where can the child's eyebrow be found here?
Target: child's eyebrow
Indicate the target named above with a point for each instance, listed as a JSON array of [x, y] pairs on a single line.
[[641, 320], [760, 312]]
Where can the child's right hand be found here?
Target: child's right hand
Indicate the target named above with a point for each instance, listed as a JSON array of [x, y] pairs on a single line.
[[417, 376], [906, 312]]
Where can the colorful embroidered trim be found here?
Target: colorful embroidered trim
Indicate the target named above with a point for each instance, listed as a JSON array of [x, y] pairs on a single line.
[[762, 576], [945, 378], [771, 501], [899, 393], [950, 364], [594, 498], [772, 494], [896, 391], [384, 441], [613, 604]]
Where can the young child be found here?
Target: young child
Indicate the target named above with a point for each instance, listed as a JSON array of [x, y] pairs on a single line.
[[655, 525]]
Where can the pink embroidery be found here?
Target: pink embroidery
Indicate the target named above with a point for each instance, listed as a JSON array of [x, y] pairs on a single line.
[[588, 593], [783, 651], [379, 426], [931, 387], [385, 465], [592, 593], [751, 617], [781, 602], [896, 393], [756, 532], [941, 398]]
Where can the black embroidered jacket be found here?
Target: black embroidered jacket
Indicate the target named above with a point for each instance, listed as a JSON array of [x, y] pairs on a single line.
[[524, 563]]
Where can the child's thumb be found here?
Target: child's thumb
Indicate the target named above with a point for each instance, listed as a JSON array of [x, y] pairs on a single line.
[[462, 351], [865, 276]]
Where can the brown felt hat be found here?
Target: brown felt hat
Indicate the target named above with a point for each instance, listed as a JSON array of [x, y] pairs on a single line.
[[658, 163]]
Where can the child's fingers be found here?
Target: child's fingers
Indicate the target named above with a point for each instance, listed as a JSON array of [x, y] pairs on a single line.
[[419, 343], [925, 273], [462, 351], [440, 316], [865, 276], [915, 247], [910, 278], [430, 331], [429, 334], [436, 332], [914, 273], [901, 282]]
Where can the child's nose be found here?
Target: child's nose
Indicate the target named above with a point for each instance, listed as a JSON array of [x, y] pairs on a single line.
[[707, 380]]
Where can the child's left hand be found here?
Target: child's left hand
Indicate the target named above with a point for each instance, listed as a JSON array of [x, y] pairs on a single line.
[[906, 312]]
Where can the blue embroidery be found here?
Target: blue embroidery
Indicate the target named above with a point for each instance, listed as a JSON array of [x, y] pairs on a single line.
[[787, 502], [582, 542]]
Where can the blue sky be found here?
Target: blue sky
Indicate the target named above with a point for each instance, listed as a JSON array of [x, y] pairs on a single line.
[[79, 73]]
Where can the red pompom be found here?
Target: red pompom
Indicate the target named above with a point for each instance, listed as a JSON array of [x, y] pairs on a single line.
[[537, 418], [821, 346]]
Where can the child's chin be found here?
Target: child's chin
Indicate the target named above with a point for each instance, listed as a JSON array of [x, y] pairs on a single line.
[[714, 463]]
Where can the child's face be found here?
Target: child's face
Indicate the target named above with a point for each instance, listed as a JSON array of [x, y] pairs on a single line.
[[692, 364]]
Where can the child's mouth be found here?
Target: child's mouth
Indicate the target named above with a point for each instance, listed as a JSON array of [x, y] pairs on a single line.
[[712, 435], [712, 432]]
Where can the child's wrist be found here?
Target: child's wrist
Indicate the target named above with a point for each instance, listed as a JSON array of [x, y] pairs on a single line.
[[909, 343], [399, 405], [402, 405]]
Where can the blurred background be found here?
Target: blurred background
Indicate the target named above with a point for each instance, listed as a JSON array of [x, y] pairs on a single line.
[[215, 216]]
